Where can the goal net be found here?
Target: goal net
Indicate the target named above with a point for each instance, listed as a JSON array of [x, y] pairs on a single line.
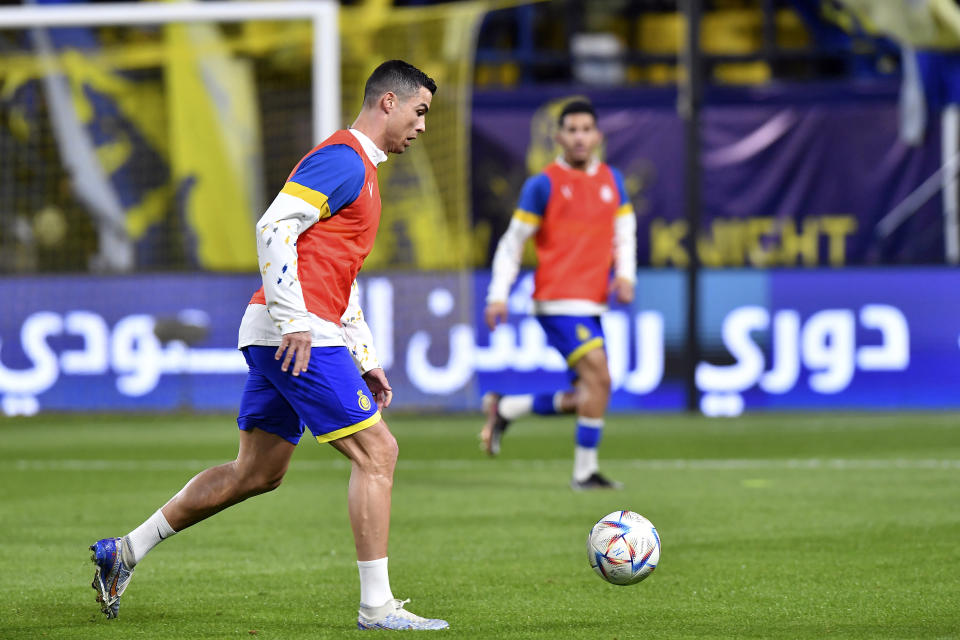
[[147, 136]]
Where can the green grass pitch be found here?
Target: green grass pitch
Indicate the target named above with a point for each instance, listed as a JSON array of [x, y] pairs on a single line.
[[773, 526]]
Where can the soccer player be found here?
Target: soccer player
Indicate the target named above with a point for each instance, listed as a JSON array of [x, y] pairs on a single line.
[[582, 222], [304, 339]]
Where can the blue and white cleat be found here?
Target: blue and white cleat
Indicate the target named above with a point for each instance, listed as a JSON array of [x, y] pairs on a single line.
[[391, 615], [112, 576]]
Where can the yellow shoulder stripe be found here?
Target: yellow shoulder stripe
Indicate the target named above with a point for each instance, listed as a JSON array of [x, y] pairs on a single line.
[[625, 209], [526, 216], [308, 195]]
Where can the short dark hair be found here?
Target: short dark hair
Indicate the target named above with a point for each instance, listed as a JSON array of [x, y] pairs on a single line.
[[397, 76], [576, 106]]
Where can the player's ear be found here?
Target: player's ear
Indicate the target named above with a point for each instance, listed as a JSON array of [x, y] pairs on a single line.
[[388, 101]]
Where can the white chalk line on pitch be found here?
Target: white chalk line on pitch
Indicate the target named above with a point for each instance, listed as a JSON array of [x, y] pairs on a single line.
[[814, 464]]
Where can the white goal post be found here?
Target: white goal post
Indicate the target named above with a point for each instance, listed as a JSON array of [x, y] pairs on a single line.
[[322, 13]]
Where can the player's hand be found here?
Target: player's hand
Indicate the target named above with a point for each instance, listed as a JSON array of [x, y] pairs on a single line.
[[495, 313], [623, 289], [377, 382], [297, 347]]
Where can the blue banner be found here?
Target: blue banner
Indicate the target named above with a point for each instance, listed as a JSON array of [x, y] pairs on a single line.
[[791, 175], [820, 339], [854, 339]]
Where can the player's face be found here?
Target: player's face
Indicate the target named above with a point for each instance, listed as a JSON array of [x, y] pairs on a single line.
[[579, 138], [407, 120]]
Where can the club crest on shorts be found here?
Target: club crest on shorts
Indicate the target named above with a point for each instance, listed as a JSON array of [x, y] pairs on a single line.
[[363, 400], [583, 334]]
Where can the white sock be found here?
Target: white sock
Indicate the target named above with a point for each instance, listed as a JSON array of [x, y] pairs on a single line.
[[584, 463], [374, 582], [513, 407], [147, 536]]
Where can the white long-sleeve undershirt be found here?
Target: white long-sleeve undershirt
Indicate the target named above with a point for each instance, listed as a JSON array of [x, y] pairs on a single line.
[[277, 233], [625, 246], [357, 334], [506, 259]]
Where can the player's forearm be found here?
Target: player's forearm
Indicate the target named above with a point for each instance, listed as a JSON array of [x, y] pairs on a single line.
[[357, 334], [277, 233], [625, 247], [506, 259]]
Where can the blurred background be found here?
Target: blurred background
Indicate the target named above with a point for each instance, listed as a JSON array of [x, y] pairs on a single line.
[[792, 162]]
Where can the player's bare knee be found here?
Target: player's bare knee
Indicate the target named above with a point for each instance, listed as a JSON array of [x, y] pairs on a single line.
[[381, 458], [388, 450], [604, 382], [593, 394], [596, 375], [597, 395], [596, 380], [260, 485], [270, 481], [259, 481]]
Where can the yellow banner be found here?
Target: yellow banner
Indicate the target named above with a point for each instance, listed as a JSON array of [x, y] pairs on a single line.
[[214, 145]]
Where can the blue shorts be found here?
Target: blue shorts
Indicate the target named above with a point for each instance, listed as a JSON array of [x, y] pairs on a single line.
[[330, 398], [572, 336]]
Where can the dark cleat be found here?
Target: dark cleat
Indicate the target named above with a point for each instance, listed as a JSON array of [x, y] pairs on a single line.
[[595, 481]]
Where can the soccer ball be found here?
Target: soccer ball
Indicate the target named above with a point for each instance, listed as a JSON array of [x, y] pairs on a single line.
[[623, 547]]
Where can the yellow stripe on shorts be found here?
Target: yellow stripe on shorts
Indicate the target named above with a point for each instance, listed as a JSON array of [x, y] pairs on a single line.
[[582, 350], [352, 429]]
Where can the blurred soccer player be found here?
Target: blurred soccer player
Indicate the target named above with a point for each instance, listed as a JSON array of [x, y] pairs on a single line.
[[583, 223], [304, 339]]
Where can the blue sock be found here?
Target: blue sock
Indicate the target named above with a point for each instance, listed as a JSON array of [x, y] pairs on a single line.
[[543, 404], [589, 432]]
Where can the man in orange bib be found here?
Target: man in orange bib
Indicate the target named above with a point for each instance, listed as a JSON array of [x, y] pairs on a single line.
[[310, 353], [583, 225]]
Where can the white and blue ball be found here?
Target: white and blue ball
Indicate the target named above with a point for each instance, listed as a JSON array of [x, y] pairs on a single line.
[[623, 547]]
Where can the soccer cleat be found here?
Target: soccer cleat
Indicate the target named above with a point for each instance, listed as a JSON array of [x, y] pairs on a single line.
[[392, 615], [495, 425], [595, 481], [112, 576]]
